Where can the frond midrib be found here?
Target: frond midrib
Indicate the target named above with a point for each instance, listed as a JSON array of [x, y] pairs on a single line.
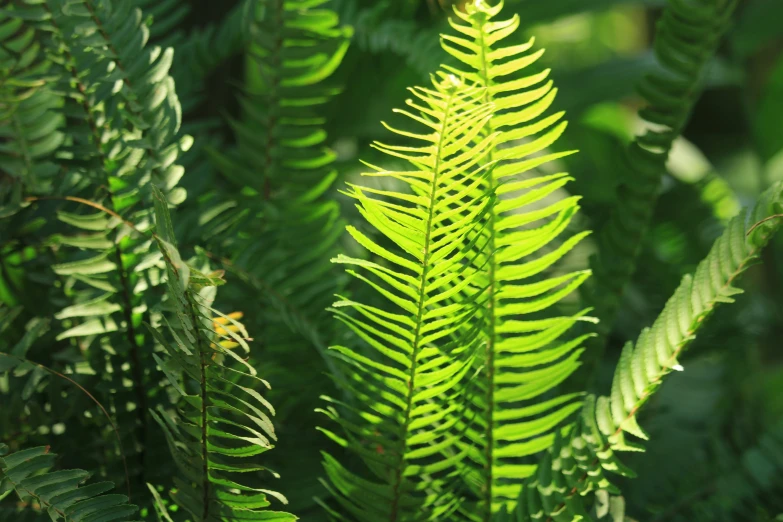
[[396, 493], [491, 305]]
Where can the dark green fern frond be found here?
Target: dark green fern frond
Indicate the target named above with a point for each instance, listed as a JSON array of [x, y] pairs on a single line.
[[123, 119], [686, 38], [282, 161], [201, 50], [417, 346], [30, 119], [59, 494], [221, 419], [582, 454]]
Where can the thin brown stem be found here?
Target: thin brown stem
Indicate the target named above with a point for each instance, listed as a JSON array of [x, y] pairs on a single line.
[[97, 403]]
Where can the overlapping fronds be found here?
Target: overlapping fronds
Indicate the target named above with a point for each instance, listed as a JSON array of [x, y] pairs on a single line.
[[577, 463], [222, 420], [30, 123], [527, 351], [419, 345], [686, 39], [59, 494], [123, 118], [277, 223]]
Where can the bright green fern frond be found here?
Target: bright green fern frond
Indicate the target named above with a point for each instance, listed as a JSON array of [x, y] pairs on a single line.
[[59, 494], [577, 463], [221, 419], [418, 346], [527, 352]]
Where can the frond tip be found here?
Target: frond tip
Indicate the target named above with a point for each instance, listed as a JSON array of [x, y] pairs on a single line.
[[577, 463]]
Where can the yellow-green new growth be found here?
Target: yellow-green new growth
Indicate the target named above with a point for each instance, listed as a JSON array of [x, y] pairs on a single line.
[[416, 347], [526, 352]]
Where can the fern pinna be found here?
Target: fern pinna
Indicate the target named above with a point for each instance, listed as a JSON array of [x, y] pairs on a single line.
[[419, 345], [221, 418], [526, 354]]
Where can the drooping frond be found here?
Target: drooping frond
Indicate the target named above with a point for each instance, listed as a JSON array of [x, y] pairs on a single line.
[[527, 351], [686, 39], [418, 346], [222, 421], [59, 495], [577, 463]]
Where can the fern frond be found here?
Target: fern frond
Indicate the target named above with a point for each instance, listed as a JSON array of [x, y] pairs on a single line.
[[281, 156], [123, 119], [30, 119], [577, 463], [527, 354], [221, 418], [418, 346], [686, 39], [59, 493]]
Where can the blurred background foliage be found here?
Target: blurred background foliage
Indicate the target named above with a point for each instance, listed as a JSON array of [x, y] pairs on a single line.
[[715, 425]]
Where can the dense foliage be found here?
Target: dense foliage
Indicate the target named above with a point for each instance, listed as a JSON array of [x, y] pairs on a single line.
[[231, 291]]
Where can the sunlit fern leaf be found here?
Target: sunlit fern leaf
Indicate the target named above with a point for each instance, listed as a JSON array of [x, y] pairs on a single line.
[[30, 122], [417, 348], [687, 37], [527, 354], [221, 421], [59, 494], [582, 454]]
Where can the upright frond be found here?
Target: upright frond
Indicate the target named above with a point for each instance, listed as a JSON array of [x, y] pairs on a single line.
[[527, 351], [30, 119], [221, 418], [418, 346]]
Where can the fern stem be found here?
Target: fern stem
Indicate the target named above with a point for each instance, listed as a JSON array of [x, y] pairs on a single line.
[[396, 493], [491, 305], [204, 452], [93, 399]]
